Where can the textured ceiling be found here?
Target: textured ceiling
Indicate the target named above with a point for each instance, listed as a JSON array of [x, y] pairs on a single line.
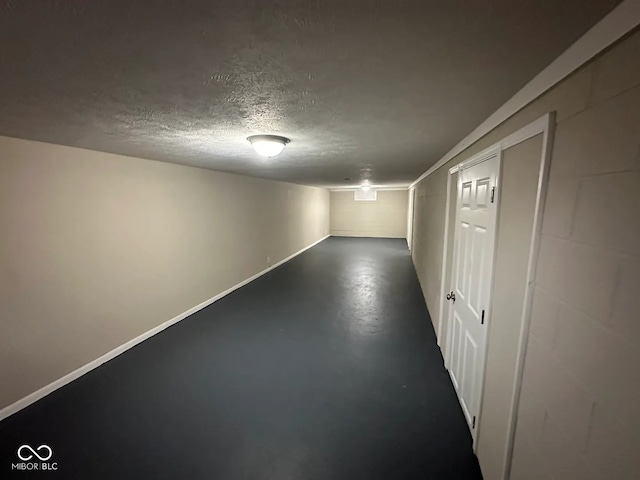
[[373, 89]]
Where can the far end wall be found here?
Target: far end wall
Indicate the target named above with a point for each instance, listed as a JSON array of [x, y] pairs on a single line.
[[385, 217]]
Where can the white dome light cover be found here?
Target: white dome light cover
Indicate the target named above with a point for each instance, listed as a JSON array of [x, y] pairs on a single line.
[[268, 145]]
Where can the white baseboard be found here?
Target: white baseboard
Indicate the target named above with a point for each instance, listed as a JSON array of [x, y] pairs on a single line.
[[359, 235], [70, 377]]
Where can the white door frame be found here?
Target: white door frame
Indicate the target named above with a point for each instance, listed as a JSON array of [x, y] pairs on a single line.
[[542, 126]]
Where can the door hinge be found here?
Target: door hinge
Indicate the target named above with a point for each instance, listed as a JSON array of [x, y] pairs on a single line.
[[474, 422], [493, 194], [482, 319]]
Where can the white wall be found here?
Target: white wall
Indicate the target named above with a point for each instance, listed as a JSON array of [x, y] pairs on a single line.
[[97, 249], [386, 217]]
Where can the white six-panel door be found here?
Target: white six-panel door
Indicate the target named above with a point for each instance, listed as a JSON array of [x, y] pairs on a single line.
[[473, 258]]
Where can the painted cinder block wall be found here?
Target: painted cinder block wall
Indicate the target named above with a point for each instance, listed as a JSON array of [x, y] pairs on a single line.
[[97, 249], [578, 416], [385, 218]]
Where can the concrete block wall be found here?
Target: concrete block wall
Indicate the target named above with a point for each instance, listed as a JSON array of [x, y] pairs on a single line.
[[579, 416]]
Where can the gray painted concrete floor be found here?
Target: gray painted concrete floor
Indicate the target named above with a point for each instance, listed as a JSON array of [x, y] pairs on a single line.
[[325, 368]]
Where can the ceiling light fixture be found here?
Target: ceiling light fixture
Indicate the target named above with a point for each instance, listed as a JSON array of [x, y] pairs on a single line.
[[268, 145], [365, 187]]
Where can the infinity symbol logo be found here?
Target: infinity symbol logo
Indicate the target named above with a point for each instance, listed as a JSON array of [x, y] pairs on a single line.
[[38, 452]]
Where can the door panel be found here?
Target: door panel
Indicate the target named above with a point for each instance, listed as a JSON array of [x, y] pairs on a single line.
[[467, 392], [466, 194], [476, 215], [482, 198], [455, 359], [477, 276], [463, 254]]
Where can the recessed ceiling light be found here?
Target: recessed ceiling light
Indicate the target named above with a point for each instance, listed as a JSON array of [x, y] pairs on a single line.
[[268, 145]]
